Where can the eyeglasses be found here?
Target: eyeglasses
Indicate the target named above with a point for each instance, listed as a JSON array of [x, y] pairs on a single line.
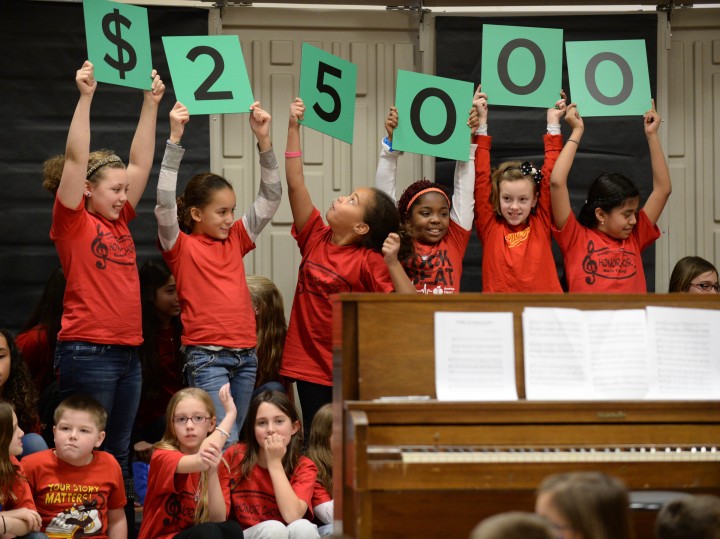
[[181, 420], [707, 287]]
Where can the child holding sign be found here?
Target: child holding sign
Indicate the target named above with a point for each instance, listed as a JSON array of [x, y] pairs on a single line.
[[602, 246], [512, 214], [343, 256], [435, 232], [96, 196], [204, 247]]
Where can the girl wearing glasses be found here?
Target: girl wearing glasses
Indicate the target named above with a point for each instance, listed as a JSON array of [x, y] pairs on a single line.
[[694, 275], [188, 494]]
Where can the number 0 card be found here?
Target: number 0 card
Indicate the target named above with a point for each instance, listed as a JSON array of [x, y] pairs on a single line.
[[209, 74], [327, 87]]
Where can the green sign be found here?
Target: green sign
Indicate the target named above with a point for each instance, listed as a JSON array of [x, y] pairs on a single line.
[[609, 78], [208, 73], [432, 115], [327, 87], [118, 42], [521, 66]]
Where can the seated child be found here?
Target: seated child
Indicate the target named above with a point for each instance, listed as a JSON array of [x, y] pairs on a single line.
[[513, 525], [691, 517], [320, 452], [78, 491]]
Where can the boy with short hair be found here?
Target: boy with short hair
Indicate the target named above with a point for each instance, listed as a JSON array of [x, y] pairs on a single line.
[[78, 491]]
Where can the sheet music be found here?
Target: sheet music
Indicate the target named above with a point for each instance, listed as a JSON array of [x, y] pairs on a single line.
[[474, 356], [584, 355], [684, 353]]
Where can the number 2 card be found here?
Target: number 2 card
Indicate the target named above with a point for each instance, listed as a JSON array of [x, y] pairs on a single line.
[[327, 87], [209, 74]]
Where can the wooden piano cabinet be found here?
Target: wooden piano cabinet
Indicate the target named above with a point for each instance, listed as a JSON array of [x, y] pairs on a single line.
[[435, 469]]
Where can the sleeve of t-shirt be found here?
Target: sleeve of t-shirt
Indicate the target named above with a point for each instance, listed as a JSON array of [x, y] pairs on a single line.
[[246, 242], [646, 232], [484, 212], [163, 464], [567, 236], [65, 221], [303, 481], [312, 227], [21, 490], [376, 276]]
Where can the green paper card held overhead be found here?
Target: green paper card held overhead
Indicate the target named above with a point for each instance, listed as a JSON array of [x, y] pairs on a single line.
[[327, 88], [609, 78], [209, 74], [432, 115], [521, 66], [118, 43]]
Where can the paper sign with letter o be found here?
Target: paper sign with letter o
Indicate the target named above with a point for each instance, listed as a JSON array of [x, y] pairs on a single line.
[[208, 73], [118, 43], [521, 66], [609, 78], [327, 88], [432, 115]]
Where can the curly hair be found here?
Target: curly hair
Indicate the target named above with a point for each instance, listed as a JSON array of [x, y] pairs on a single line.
[[509, 171], [198, 194], [405, 209], [19, 389], [271, 327], [382, 217], [607, 192], [53, 168]]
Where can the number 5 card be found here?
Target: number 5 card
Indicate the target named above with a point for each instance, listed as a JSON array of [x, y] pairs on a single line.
[[209, 74], [327, 87], [118, 42]]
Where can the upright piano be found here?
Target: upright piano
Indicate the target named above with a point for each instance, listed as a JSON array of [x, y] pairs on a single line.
[[406, 467]]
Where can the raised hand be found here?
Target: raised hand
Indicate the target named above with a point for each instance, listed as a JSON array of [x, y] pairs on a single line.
[[227, 400], [391, 122], [556, 113], [297, 111], [157, 90], [85, 79], [572, 117], [391, 247], [179, 116], [481, 105], [652, 120]]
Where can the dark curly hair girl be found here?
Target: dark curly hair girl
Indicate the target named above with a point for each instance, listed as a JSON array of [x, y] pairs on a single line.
[[18, 388]]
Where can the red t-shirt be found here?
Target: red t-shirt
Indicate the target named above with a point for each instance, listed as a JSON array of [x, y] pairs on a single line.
[[20, 495], [437, 269], [595, 262], [214, 298], [74, 501], [253, 499], [516, 258], [170, 500], [102, 295], [326, 269], [35, 349]]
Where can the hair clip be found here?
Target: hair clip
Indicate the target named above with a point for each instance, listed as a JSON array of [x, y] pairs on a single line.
[[528, 169]]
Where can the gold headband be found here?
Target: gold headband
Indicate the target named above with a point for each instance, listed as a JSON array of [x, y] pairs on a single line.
[[112, 158]]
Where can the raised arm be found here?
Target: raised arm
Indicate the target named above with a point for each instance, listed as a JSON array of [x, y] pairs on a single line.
[[483, 210], [269, 195], [77, 149], [463, 199], [166, 208], [300, 202], [142, 150], [386, 175], [401, 282], [661, 175], [559, 194]]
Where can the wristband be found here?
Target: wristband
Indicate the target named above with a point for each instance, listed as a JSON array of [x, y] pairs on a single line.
[[293, 154], [572, 140], [221, 431], [171, 143], [387, 142]]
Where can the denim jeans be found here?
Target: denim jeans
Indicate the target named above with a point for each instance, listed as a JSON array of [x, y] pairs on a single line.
[[211, 369], [110, 374]]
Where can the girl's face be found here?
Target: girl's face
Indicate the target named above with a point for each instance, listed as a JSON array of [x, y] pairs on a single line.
[[705, 283], [108, 195], [166, 300], [561, 528], [192, 423], [347, 213], [271, 420], [5, 361], [517, 199], [619, 222], [16, 447], [430, 218], [216, 218]]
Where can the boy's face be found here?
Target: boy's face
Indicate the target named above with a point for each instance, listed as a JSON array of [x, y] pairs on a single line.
[[76, 435]]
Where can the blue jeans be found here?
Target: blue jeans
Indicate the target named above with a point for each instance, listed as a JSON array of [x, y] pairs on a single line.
[[212, 369], [110, 374]]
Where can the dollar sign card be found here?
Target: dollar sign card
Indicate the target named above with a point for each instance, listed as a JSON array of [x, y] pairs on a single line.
[[118, 42]]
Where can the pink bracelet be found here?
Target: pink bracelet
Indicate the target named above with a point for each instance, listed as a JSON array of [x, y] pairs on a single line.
[[293, 154]]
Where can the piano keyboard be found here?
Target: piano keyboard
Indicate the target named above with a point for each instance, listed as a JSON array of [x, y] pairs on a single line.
[[545, 455]]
